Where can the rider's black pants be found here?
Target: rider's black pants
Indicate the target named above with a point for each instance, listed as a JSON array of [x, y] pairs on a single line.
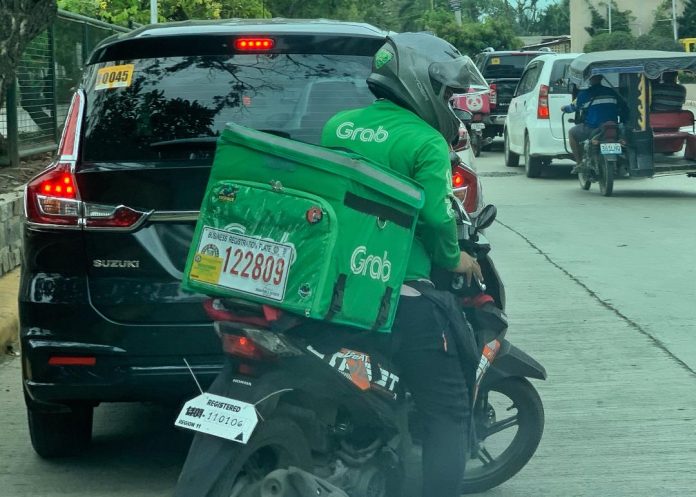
[[427, 357]]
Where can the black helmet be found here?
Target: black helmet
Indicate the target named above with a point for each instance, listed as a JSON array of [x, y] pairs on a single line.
[[420, 72]]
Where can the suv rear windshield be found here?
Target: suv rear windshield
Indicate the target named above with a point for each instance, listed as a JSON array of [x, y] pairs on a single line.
[[170, 106], [506, 66]]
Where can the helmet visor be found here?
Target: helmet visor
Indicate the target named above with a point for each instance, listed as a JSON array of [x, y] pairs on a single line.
[[457, 75]]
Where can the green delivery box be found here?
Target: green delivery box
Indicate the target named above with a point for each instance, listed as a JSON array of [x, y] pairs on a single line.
[[313, 231]]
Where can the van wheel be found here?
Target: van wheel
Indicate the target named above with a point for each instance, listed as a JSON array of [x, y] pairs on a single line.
[[532, 165], [60, 434], [511, 158]]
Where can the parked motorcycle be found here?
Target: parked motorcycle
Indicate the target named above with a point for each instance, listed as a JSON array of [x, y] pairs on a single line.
[[300, 409]]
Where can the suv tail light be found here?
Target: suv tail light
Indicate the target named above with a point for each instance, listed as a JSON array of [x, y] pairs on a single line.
[[52, 198], [543, 103], [466, 187], [493, 95]]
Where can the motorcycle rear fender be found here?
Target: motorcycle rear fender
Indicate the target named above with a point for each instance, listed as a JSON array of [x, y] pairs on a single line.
[[513, 362]]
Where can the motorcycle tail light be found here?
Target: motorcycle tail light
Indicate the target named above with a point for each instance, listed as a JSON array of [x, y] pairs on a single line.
[[466, 187]]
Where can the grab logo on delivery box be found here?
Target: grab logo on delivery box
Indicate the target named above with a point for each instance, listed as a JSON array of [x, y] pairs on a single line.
[[374, 266]]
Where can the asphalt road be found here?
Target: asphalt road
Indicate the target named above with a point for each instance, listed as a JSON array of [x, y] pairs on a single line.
[[600, 290]]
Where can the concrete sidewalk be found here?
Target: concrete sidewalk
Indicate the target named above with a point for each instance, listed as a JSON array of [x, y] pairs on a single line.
[[9, 286]]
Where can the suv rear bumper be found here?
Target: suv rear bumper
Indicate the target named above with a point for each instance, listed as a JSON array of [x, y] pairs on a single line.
[[114, 377]]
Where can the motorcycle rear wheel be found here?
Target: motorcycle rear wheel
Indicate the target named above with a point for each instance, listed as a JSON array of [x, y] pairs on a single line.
[[606, 177], [530, 427], [276, 444]]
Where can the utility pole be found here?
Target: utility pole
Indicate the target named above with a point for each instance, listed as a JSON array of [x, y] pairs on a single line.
[[153, 11], [674, 20], [609, 15], [456, 6]]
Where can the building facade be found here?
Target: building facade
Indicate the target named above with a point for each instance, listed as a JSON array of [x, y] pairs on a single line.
[[642, 10]]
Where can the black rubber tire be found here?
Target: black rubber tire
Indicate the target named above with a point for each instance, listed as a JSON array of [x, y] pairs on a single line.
[[60, 434], [281, 435], [476, 141], [532, 165], [584, 181], [606, 177], [511, 158], [530, 412]]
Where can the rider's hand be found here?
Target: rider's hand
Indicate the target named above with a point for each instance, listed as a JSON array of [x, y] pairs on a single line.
[[468, 266], [567, 109]]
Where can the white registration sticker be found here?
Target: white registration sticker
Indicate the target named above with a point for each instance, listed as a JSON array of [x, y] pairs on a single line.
[[219, 416], [610, 148], [478, 126], [247, 264]]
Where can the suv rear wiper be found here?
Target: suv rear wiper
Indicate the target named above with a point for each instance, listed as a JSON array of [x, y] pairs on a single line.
[[203, 141], [206, 141]]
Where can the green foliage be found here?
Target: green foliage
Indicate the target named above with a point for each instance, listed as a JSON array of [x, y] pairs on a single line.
[[124, 12], [617, 40], [555, 20], [687, 21], [620, 19], [655, 42], [662, 25], [472, 37]]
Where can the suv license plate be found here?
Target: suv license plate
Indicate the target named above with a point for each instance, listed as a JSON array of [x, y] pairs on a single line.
[[478, 126], [610, 148], [248, 264]]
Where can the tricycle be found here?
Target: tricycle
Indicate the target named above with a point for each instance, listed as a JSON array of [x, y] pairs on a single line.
[[643, 143]]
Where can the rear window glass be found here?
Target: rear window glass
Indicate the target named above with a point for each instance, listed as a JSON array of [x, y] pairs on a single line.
[[559, 82], [170, 108], [506, 66]]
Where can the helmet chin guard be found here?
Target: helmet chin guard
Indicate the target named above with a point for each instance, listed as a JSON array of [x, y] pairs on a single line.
[[421, 72]]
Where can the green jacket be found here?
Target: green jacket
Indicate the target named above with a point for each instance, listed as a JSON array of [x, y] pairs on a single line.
[[398, 139]]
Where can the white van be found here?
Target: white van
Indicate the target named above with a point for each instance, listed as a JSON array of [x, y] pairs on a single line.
[[533, 127]]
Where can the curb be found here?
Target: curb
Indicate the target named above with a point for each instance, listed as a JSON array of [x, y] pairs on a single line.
[[9, 321]]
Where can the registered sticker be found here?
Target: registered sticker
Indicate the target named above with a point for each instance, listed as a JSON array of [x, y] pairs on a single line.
[[114, 77], [248, 264], [219, 416], [495, 61], [610, 148]]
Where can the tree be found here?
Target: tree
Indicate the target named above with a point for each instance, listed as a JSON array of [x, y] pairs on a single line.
[[687, 21], [472, 37], [662, 25], [554, 20], [124, 12], [616, 40], [654, 42], [20, 22], [620, 19]]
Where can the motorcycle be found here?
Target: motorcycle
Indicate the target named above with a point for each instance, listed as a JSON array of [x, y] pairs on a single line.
[[302, 410], [471, 108]]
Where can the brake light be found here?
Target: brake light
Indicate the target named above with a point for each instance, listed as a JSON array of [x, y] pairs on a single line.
[[51, 198], [466, 187], [493, 95], [241, 346], [254, 44], [543, 103]]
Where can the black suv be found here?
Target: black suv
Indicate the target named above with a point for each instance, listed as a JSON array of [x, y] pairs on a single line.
[[502, 70], [109, 223]]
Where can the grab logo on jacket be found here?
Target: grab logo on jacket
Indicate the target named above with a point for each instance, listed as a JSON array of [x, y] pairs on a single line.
[[374, 266], [348, 131]]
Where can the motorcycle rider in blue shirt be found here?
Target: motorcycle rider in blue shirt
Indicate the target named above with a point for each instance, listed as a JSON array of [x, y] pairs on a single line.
[[596, 105]]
